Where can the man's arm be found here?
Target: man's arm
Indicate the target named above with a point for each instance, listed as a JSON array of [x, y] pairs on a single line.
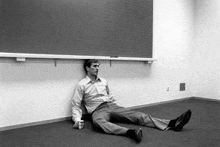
[[107, 89], [76, 107], [109, 93]]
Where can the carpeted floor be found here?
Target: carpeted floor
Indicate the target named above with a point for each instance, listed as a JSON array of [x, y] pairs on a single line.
[[203, 130]]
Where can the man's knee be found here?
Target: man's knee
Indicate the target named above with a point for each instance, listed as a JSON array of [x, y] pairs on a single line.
[[142, 118]]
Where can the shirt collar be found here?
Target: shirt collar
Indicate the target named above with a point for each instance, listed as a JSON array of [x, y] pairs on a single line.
[[88, 80]]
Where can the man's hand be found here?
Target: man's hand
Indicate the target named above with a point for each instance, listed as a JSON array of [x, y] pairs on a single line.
[[78, 124]]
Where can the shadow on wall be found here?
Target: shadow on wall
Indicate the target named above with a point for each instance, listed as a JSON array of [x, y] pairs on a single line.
[[37, 70], [124, 69]]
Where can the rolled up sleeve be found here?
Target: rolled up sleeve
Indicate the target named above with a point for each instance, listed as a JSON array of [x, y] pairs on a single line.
[[76, 104]]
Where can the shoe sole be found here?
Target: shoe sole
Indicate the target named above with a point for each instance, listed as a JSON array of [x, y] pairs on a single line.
[[139, 135], [185, 120]]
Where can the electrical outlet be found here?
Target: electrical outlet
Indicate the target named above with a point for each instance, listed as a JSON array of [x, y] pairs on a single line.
[[182, 86]]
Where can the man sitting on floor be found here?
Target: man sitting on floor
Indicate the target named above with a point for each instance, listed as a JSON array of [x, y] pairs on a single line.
[[94, 92]]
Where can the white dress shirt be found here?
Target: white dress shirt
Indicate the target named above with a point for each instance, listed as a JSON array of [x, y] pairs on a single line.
[[92, 94]]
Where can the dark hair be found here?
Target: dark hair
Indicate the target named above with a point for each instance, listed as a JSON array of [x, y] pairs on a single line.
[[88, 63]]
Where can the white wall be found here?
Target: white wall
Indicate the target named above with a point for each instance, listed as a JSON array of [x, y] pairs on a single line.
[[36, 90], [206, 53]]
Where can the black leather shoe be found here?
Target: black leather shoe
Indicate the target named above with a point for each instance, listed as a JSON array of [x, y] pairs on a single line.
[[135, 134], [182, 120]]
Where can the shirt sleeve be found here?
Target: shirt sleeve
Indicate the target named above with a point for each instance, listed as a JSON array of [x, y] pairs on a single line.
[[76, 104], [109, 92], [107, 89]]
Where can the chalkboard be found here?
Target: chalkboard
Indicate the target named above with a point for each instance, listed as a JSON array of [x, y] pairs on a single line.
[[120, 28]]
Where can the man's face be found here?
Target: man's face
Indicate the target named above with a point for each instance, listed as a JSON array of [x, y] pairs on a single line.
[[93, 69]]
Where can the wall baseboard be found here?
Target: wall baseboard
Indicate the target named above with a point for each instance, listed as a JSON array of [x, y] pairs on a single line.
[[33, 124], [158, 103], [207, 99], [85, 116]]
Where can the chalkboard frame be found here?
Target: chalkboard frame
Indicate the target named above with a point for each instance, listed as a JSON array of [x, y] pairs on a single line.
[[111, 56]]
